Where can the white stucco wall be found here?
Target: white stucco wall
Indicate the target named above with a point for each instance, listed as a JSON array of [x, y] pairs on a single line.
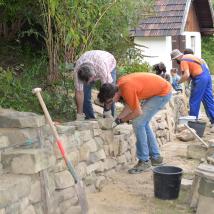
[[197, 45], [158, 49]]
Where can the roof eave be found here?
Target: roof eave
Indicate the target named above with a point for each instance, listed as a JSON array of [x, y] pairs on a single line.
[[187, 8]]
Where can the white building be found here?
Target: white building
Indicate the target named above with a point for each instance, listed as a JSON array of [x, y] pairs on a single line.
[[175, 24]]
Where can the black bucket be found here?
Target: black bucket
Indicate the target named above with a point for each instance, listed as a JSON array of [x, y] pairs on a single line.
[[199, 127], [167, 181]]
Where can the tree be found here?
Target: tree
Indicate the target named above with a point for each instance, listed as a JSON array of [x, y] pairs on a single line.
[[74, 26]]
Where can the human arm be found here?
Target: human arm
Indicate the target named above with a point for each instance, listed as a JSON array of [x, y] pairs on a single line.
[[185, 76], [128, 114]]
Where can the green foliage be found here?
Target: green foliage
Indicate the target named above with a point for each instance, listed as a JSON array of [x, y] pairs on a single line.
[[69, 28], [135, 67], [208, 51], [19, 80], [113, 31]]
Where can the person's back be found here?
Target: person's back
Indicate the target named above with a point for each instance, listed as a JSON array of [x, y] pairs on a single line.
[[143, 86]]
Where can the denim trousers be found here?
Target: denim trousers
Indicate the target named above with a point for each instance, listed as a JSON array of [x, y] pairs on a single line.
[[87, 104], [147, 145]]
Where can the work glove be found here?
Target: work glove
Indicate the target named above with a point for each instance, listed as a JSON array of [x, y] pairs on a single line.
[[116, 122], [107, 114], [80, 117]]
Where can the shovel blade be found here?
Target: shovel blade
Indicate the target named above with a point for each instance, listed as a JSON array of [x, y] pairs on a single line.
[[80, 190]]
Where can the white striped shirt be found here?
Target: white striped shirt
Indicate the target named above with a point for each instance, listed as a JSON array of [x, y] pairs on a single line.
[[103, 63]]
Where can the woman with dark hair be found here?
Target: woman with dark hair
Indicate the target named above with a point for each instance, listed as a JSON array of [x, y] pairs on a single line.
[[160, 70]]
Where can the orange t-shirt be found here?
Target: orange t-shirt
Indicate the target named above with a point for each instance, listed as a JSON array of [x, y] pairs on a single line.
[[194, 68], [139, 86]]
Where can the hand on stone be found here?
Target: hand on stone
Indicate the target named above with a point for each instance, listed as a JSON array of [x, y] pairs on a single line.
[[116, 122]]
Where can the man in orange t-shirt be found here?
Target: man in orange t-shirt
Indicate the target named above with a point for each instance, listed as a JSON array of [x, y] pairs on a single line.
[[201, 86], [133, 88]]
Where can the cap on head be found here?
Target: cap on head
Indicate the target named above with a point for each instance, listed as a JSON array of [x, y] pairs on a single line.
[[175, 54]]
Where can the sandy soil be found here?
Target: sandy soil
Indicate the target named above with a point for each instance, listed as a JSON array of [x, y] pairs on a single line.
[[125, 193]]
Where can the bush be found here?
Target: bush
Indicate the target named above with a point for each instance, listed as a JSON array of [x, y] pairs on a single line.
[[135, 67], [16, 92], [207, 52]]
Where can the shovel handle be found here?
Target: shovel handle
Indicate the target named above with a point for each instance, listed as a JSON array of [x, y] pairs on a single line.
[[37, 91], [196, 135]]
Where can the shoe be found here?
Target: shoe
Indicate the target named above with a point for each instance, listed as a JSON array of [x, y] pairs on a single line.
[[141, 166], [157, 162]]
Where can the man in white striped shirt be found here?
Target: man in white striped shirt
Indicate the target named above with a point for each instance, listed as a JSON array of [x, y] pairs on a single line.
[[92, 66]]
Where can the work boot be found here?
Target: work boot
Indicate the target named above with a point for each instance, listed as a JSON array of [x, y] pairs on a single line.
[[157, 162], [141, 166]]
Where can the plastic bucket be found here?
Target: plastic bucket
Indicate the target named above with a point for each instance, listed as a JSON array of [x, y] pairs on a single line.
[[167, 181], [199, 127], [184, 120]]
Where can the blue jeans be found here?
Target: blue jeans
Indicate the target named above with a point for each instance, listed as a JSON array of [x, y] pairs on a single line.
[[147, 145], [87, 105]]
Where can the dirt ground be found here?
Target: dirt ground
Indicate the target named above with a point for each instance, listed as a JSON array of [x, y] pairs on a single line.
[[125, 193]]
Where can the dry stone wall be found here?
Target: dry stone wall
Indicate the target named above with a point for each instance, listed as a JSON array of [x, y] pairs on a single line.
[[34, 178]]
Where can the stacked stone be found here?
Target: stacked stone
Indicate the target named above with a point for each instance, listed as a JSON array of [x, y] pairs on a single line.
[[35, 178], [20, 182], [96, 152], [163, 127]]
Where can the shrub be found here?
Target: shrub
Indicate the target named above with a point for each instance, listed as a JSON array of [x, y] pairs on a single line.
[[135, 67]]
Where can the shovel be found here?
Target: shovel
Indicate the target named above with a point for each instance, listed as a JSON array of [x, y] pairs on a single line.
[[194, 133], [79, 186]]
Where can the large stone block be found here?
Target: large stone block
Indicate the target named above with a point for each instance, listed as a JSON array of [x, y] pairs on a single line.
[[15, 119], [123, 147], [27, 161], [65, 194], [19, 136], [107, 136], [82, 169], [92, 167], [106, 123], [110, 163], [69, 144], [96, 156], [91, 144], [63, 129], [63, 180], [35, 193], [13, 188], [123, 129], [185, 136], [4, 141], [29, 210], [85, 135]]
